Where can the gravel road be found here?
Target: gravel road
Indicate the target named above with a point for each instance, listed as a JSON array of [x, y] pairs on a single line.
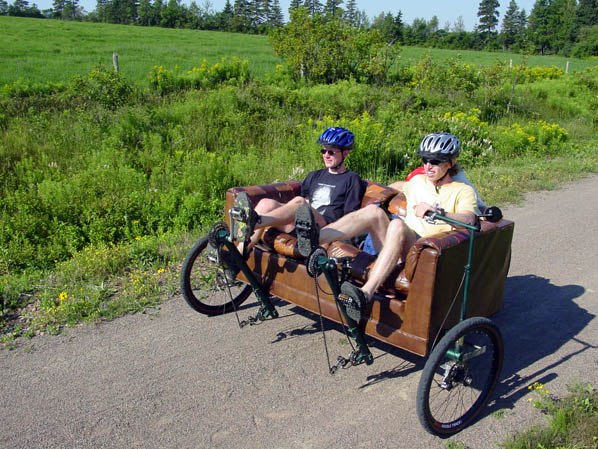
[[173, 378]]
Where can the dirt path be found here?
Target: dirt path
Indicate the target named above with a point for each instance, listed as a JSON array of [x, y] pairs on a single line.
[[176, 379]]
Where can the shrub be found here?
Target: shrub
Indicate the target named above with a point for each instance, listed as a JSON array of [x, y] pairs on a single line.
[[538, 138], [101, 86], [321, 50], [234, 72]]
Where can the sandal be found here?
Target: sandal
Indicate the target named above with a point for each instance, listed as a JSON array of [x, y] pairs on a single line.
[[308, 231]]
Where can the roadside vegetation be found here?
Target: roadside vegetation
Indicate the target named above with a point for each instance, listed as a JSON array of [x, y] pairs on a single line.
[[572, 420], [107, 181]]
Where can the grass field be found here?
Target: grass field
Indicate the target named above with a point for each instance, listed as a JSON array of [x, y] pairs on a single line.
[[53, 50]]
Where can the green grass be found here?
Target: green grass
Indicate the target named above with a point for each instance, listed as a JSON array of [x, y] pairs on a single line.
[[411, 55], [572, 421], [54, 50], [104, 181]]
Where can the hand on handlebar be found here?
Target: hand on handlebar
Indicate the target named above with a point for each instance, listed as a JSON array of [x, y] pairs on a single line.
[[422, 210]]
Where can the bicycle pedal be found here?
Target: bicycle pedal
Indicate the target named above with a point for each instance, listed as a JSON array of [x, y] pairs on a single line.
[[238, 214]]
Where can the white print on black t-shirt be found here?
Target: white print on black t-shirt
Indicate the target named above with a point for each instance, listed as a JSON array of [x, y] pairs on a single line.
[[322, 197]]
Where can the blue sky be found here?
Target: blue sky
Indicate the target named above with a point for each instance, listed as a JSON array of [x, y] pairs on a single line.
[[445, 10]]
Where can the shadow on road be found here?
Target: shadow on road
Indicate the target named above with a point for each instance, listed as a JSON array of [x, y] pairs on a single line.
[[536, 320]]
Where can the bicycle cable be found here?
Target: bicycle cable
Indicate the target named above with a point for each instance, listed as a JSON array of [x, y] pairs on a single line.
[[222, 273], [316, 286], [449, 310]]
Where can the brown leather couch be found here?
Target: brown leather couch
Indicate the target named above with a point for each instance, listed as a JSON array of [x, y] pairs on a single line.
[[415, 301]]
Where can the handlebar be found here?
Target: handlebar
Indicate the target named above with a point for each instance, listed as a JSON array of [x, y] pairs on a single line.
[[493, 214]]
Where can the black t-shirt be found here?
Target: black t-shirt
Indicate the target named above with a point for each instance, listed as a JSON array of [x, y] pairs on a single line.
[[333, 195]]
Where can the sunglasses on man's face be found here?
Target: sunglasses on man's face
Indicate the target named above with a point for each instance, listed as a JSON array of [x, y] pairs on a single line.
[[330, 152], [431, 161]]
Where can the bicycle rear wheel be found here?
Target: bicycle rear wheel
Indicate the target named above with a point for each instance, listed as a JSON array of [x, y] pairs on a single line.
[[453, 390], [204, 284]]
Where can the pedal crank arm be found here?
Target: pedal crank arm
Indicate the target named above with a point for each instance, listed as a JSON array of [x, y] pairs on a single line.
[[262, 315], [363, 351], [267, 309], [341, 362]]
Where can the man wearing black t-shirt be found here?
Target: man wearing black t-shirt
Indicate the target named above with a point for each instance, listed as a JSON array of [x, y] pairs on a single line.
[[332, 192]]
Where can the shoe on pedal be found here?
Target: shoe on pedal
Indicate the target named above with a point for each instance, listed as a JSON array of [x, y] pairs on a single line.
[[308, 231], [228, 265], [244, 218], [354, 300]]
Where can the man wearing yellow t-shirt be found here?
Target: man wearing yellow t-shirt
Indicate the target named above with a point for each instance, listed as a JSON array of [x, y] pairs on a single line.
[[434, 190]]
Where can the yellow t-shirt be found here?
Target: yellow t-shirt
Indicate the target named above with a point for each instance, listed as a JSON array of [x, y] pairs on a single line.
[[454, 197]]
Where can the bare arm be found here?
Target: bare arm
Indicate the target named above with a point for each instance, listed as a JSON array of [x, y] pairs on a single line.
[[398, 185], [466, 217]]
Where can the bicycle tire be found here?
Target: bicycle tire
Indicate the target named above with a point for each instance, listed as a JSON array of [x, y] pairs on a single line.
[[203, 283], [452, 393]]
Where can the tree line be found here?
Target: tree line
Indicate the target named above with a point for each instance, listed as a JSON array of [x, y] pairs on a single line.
[[563, 27]]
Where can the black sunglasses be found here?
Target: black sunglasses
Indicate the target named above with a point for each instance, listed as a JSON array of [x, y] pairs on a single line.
[[330, 152], [431, 161]]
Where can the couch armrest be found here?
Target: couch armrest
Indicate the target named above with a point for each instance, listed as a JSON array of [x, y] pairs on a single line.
[[442, 242], [279, 191]]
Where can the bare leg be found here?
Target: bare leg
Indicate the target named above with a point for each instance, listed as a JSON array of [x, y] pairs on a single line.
[[399, 238], [371, 218], [279, 215]]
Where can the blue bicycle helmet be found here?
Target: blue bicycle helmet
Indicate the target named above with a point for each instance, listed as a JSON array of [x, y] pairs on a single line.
[[337, 138], [439, 145]]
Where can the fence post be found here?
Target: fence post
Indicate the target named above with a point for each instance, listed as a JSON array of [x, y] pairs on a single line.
[[567, 67], [115, 61], [510, 63]]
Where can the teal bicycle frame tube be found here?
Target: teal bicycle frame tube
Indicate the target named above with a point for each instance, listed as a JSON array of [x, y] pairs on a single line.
[[472, 230], [456, 353]]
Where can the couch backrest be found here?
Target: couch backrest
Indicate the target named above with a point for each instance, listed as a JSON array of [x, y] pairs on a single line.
[[377, 193]]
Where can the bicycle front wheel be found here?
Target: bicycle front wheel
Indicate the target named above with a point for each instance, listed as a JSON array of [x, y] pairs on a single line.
[[460, 376], [204, 284]]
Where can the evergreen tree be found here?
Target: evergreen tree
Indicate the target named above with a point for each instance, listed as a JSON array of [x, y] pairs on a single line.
[[398, 27], [18, 8], [351, 12], [157, 9], [145, 13], [257, 10], [242, 16], [226, 17], [510, 25], [171, 15], [275, 16], [332, 8], [561, 19], [58, 8], [539, 29], [72, 10], [384, 22], [313, 6], [101, 10], [586, 13], [488, 17], [294, 5], [21, 8]]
